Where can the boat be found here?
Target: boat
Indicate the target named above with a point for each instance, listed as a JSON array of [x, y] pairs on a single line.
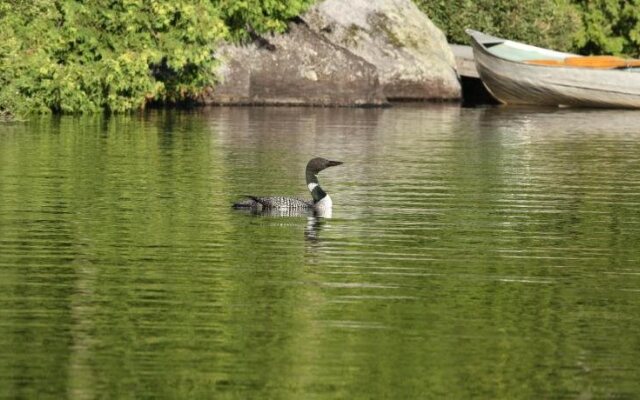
[[517, 73]]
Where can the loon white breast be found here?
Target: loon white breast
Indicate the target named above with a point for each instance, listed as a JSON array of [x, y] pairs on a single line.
[[321, 201]]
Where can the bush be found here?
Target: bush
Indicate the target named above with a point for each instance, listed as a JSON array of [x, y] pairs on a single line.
[[246, 16], [611, 27], [547, 23], [113, 55], [71, 56], [580, 26]]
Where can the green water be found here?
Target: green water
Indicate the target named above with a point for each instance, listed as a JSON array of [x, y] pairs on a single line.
[[472, 253]]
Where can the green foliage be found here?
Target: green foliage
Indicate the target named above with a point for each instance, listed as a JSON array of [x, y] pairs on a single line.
[[611, 27], [547, 23], [581, 26], [116, 55], [73, 56], [244, 16]]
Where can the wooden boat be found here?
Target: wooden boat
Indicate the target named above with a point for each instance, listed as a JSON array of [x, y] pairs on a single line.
[[517, 73]]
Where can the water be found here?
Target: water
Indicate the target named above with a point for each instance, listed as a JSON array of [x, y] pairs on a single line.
[[472, 253]]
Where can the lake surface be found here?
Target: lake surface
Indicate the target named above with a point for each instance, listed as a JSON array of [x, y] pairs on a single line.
[[472, 253]]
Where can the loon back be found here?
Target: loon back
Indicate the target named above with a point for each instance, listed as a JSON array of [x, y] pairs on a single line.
[[321, 199], [273, 202]]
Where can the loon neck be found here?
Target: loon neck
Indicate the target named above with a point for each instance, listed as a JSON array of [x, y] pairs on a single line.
[[314, 187]]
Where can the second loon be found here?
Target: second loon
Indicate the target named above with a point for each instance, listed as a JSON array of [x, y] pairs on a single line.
[[321, 202]]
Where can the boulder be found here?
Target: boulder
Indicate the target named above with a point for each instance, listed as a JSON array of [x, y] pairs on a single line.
[[411, 54], [300, 67]]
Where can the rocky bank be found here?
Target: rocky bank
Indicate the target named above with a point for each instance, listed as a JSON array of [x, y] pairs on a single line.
[[342, 53]]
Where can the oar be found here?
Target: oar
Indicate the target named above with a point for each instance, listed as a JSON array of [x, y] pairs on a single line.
[[553, 63], [602, 62]]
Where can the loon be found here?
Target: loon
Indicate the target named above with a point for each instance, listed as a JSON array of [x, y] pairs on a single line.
[[321, 200]]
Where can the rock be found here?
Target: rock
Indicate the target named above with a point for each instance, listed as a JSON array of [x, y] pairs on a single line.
[[296, 68], [411, 54]]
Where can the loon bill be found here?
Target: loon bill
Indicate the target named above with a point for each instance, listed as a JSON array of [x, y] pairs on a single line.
[[321, 202]]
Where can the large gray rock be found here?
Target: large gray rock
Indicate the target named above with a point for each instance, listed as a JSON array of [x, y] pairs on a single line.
[[296, 68], [413, 58]]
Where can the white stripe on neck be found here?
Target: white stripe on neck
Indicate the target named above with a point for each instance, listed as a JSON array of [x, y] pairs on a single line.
[[311, 186]]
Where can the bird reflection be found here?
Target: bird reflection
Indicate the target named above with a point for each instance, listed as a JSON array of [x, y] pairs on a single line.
[[289, 212], [313, 228], [315, 218]]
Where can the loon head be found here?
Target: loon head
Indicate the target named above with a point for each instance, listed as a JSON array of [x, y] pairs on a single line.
[[320, 197], [318, 164]]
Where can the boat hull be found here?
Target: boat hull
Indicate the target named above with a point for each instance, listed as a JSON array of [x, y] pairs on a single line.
[[513, 82]]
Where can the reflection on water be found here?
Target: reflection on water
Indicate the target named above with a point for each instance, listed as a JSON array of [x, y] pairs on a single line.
[[483, 253], [286, 212], [313, 228]]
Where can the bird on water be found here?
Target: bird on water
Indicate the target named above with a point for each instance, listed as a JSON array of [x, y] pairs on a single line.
[[321, 201]]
